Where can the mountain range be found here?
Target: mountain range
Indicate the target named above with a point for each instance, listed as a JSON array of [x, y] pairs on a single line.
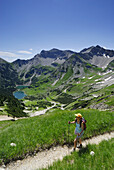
[[55, 63], [82, 79]]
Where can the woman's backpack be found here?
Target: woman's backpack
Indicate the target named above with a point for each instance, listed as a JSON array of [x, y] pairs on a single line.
[[84, 123]]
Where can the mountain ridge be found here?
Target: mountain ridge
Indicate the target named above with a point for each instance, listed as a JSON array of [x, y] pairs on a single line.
[[76, 82], [56, 54], [55, 62]]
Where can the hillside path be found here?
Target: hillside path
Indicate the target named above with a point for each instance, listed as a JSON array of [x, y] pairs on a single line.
[[47, 157], [31, 113]]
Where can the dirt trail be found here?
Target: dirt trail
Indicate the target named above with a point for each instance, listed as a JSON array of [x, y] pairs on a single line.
[[45, 158], [31, 113], [5, 117]]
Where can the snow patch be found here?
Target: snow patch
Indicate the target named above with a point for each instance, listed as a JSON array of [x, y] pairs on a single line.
[[108, 56], [94, 95], [108, 78], [90, 77], [97, 79], [63, 75], [107, 72], [104, 55], [55, 82]]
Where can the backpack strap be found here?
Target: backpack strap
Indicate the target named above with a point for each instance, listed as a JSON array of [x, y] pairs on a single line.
[[81, 122]]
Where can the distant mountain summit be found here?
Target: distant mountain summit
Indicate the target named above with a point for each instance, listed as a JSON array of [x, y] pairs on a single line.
[[98, 51], [55, 62], [53, 55], [98, 56], [46, 58], [95, 55]]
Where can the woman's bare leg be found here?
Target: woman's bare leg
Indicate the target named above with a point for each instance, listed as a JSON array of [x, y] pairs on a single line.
[[75, 143], [80, 141]]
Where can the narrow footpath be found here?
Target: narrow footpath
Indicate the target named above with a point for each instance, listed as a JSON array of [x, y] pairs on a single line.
[[47, 157]]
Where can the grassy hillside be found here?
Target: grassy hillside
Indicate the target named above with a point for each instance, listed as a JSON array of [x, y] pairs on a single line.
[[8, 75], [85, 92], [33, 134], [80, 86]]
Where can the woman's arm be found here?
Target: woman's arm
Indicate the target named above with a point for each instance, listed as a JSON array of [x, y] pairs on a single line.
[[72, 122]]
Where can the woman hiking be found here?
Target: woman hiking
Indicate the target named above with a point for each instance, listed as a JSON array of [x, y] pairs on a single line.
[[79, 130]]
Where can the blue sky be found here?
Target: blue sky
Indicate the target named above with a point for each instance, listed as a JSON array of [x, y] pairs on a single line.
[[29, 26]]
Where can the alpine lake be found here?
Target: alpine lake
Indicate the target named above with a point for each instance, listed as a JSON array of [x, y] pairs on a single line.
[[19, 94]]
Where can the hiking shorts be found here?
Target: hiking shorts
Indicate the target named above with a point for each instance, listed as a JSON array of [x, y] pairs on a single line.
[[76, 133]]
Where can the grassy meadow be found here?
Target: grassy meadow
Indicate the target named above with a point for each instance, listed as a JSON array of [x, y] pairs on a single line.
[[34, 134], [102, 158]]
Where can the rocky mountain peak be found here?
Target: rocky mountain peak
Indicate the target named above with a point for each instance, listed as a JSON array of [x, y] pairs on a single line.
[[92, 49], [86, 50], [53, 53], [98, 51]]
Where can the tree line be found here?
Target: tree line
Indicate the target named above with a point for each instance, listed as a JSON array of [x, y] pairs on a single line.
[[14, 106]]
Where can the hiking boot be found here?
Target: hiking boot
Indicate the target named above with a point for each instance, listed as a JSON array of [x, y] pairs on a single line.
[[73, 150]]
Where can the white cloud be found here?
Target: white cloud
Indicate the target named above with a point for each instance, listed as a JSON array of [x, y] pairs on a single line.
[[7, 54], [24, 52], [30, 49], [10, 56]]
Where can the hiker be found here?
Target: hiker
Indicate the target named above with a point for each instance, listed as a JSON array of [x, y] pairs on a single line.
[[79, 130]]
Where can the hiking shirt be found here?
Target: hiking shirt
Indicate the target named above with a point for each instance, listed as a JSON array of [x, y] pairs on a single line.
[[78, 128]]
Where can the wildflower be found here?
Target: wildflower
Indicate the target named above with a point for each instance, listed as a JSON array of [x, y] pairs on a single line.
[[92, 153], [12, 144]]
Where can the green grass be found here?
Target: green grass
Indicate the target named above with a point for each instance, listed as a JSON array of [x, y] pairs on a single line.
[[83, 85], [3, 110], [68, 74], [107, 90], [76, 89], [105, 95], [41, 87], [110, 101], [64, 98], [29, 103], [37, 90], [82, 160], [37, 103], [50, 129]]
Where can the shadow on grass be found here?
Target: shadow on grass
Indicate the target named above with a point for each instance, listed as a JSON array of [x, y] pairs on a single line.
[[83, 151]]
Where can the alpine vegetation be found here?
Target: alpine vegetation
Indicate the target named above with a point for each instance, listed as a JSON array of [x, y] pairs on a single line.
[[64, 91]]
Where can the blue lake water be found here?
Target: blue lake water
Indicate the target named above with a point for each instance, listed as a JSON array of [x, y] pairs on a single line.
[[19, 94]]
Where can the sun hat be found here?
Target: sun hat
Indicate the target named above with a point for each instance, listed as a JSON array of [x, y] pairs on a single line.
[[78, 115]]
